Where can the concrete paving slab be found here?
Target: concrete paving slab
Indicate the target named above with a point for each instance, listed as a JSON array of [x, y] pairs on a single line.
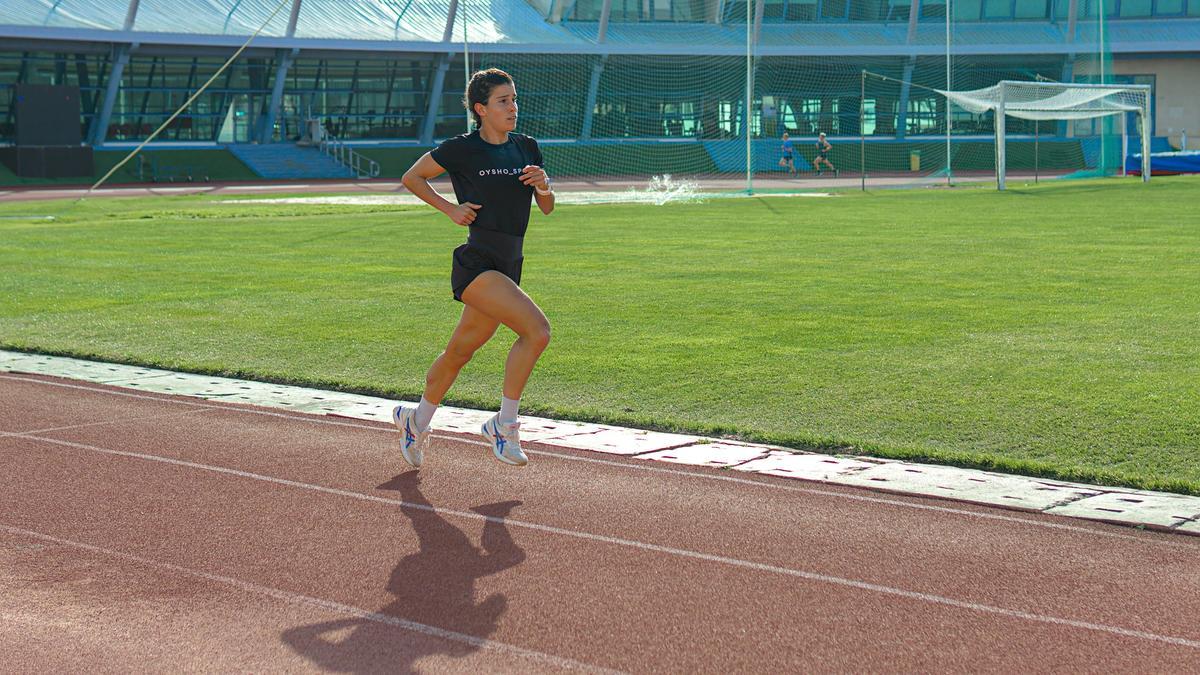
[[615, 441], [459, 420], [60, 366], [1191, 527], [804, 466], [709, 454], [9, 357], [980, 487], [379, 410], [1156, 510], [540, 428]]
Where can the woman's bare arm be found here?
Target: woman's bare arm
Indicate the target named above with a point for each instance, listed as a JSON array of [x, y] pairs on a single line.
[[416, 179]]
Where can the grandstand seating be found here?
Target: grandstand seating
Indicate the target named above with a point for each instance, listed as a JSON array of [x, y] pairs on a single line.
[[285, 161]]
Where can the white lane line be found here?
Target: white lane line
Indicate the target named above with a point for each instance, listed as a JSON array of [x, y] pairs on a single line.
[[1147, 538], [644, 546], [299, 599], [297, 186], [119, 420]]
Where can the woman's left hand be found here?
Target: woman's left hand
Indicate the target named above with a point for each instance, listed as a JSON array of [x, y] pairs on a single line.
[[535, 177]]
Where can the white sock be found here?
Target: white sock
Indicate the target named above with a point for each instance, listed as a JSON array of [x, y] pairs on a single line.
[[425, 411], [508, 409]]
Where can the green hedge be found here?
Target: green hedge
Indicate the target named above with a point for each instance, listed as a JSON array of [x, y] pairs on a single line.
[[572, 159], [217, 164]]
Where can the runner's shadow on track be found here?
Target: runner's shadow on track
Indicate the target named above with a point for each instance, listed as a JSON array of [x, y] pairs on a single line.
[[435, 610]]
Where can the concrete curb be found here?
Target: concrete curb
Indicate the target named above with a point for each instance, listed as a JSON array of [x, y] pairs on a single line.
[[1138, 508]]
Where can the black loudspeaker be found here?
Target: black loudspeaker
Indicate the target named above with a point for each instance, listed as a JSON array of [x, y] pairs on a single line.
[[47, 115], [55, 161]]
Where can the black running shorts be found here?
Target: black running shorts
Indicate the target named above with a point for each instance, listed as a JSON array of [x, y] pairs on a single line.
[[486, 250]]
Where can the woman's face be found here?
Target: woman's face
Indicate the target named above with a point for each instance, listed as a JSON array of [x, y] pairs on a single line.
[[500, 112]]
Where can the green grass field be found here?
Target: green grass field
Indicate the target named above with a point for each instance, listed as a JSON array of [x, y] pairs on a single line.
[[1050, 330]]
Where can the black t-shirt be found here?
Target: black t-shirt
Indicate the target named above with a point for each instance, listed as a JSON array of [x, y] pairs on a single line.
[[490, 175]]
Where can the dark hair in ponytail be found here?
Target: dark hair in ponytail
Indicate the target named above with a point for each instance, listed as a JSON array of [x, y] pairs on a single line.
[[479, 89]]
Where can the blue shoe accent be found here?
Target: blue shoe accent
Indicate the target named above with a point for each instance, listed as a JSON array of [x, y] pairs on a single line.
[[504, 450], [499, 439], [409, 438], [410, 443]]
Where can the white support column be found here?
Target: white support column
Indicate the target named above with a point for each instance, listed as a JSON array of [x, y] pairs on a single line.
[[99, 130], [605, 11], [1000, 156], [435, 99], [1125, 141], [448, 32], [746, 104], [905, 91], [267, 130], [433, 106], [293, 18], [589, 108], [914, 13], [1145, 124], [758, 15], [131, 14]]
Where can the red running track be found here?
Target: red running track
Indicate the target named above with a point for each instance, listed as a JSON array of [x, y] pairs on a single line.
[[147, 532]]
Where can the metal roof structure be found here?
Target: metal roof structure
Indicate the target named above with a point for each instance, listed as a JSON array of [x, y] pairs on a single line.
[[518, 25]]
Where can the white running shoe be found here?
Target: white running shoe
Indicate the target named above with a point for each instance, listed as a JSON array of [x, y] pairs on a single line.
[[412, 441], [505, 440]]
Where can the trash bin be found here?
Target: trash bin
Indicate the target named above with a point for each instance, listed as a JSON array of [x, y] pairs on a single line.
[[914, 160]]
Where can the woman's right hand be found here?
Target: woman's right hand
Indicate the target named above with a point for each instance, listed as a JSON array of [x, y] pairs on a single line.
[[464, 213]]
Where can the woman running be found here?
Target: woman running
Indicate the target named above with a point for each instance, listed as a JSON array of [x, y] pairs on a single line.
[[495, 172], [823, 150], [785, 160]]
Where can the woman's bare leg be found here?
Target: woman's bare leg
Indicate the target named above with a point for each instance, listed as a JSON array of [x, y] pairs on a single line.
[[473, 330], [497, 296]]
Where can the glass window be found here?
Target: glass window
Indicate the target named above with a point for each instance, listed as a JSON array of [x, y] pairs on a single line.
[[773, 9], [870, 10], [1033, 9], [802, 10], [586, 10], [1193, 8], [1130, 8], [735, 10], [933, 8], [967, 10], [899, 9], [1110, 7], [1062, 9], [1168, 7], [997, 9], [833, 9]]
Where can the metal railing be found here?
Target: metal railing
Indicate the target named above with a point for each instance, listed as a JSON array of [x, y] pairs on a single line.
[[363, 167]]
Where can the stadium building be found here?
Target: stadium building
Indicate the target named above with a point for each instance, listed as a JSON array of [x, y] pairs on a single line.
[[611, 86]]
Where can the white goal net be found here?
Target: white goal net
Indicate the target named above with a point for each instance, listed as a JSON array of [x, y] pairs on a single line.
[[1061, 101]]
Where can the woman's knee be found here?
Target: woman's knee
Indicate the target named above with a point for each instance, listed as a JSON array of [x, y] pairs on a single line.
[[457, 357], [459, 352], [538, 335]]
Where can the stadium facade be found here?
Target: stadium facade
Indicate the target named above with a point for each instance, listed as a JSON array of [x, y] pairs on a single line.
[[391, 72]]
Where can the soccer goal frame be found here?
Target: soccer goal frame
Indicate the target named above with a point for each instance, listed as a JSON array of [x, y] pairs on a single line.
[[1004, 107]]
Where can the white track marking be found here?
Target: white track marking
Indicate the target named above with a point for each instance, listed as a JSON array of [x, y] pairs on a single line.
[[1149, 538], [289, 186], [298, 599], [644, 546], [119, 420]]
